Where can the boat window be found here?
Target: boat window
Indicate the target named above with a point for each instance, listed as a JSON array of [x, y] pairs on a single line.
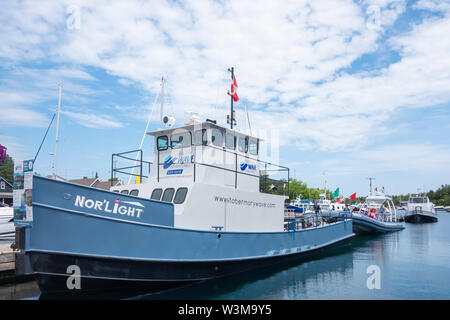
[[418, 200], [180, 195], [200, 137], [163, 143], [180, 140], [124, 191], [253, 146], [230, 141], [168, 195], [243, 144], [156, 194], [134, 192], [217, 137], [115, 190]]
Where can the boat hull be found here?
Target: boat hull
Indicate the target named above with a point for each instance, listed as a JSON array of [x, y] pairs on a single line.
[[103, 274], [118, 250], [423, 217], [364, 224]]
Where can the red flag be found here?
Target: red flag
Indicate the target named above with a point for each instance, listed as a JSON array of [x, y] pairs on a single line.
[[353, 196], [234, 87], [376, 189]]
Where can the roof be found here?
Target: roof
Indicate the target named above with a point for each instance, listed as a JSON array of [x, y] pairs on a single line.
[[50, 176], [106, 185], [85, 181], [6, 181], [197, 126]]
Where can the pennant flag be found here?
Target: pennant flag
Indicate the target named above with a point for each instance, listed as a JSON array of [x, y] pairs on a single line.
[[336, 193], [353, 196], [234, 87]]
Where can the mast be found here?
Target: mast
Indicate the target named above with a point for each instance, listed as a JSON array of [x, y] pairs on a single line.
[[57, 131], [370, 179]]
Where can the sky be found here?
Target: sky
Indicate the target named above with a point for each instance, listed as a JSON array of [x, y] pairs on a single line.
[[345, 89]]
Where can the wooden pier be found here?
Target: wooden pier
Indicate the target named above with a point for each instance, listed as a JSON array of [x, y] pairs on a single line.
[[6, 261]]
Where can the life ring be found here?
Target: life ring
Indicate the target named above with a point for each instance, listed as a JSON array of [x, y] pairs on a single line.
[[418, 208], [373, 212]]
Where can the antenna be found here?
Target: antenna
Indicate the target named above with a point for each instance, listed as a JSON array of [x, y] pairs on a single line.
[[162, 103], [370, 179], [57, 130], [248, 119]]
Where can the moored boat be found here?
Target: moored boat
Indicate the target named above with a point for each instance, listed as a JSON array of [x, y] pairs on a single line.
[[201, 214], [376, 215], [420, 210]]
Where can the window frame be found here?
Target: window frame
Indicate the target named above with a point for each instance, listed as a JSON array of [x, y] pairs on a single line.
[[165, 190], [204, 138], [160, 195], [222, 137], [226, 141], [245, 139], [157, 143], [184, 198], [182, 144], [257, 146]]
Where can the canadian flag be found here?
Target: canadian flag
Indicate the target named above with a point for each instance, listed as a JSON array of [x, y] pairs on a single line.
[[353, 196], [234, 87]]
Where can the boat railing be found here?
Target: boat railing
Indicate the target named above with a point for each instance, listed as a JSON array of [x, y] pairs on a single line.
[[138, 162], [266, 184]]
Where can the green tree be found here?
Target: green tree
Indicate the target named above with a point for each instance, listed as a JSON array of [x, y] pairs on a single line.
[[7, 169]]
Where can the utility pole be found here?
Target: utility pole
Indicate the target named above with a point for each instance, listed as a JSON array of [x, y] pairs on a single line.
[[57, 131]]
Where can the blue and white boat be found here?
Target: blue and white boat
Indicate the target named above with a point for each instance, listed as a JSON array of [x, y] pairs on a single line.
[[201, 214], [376, 215]]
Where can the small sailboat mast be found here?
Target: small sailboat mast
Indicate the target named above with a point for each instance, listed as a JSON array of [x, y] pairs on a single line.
[[57, 131]]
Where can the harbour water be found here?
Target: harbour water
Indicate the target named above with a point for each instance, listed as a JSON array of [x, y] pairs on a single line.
[[413, 264]]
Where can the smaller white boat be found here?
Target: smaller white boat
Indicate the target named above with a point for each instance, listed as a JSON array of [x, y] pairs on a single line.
[[420, 210], [376, 215], [7, 229]]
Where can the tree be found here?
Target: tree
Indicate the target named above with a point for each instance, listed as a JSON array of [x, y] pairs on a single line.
[[7, 169]]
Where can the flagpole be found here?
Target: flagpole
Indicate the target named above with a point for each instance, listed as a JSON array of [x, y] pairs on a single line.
[[231, 98]]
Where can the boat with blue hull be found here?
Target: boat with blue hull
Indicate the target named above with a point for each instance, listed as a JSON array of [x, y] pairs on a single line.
[[203, 212], [376, 215]]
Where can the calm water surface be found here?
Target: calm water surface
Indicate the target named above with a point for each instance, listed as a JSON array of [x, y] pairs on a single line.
[[414, 264]]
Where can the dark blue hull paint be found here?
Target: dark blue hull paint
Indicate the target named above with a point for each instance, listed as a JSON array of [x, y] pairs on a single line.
[[420, 218]]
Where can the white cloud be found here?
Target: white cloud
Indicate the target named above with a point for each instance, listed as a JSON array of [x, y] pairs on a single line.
[[93, 120], [287, 59]]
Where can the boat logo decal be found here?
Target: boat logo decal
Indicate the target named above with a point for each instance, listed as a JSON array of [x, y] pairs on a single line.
[[131, 208], [245, 165], [181, 160]]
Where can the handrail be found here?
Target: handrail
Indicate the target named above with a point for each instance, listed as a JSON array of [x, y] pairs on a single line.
[[139, 165]]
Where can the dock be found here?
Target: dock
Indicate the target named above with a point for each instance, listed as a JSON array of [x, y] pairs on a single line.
[[6, 261]]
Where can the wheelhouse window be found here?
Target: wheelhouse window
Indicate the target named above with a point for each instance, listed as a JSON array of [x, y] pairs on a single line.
[[217, 137], [230, 141], [243, 144], [124, 192], [134, 192], [162, 143], [156, 194], [200, 138], [168, 194], [253, 145], [180, 140], [180, 196]]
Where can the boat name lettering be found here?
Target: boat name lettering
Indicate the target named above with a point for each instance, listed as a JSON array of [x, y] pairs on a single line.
[[82, 202]]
